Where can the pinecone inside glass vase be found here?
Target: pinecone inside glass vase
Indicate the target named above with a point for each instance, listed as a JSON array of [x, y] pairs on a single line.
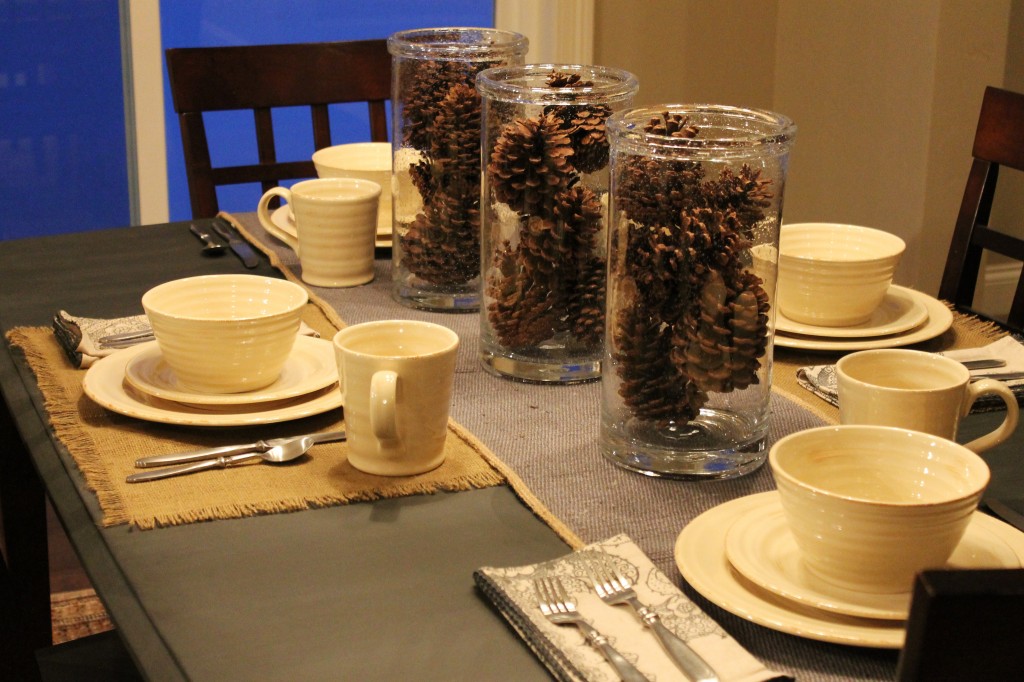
[[692, 316], [549, 279], [443, 114]]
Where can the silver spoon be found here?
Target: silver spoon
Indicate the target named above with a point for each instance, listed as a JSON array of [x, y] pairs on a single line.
[[277, 454], [210, 246]]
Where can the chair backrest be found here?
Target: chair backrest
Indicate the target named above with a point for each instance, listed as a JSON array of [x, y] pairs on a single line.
[[999, 141], [263, 77]]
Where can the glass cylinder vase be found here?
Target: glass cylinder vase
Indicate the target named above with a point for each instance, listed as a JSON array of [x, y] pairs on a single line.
[[696, 206], [436, 122], [545, 197]]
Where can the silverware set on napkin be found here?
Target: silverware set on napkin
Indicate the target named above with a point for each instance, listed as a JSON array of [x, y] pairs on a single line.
[[615, 589]]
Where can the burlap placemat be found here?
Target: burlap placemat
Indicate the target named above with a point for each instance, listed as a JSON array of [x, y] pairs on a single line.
[[967, 331], [105, 445]]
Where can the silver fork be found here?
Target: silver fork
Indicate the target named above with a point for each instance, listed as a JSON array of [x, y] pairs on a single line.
[[558, 607], [614, 588]]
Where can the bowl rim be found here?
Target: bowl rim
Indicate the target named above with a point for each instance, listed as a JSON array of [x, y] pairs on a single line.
[[893, 245], [300, 294], [976, 463]]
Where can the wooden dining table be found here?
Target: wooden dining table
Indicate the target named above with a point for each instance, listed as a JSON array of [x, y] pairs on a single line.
[[376, 588]]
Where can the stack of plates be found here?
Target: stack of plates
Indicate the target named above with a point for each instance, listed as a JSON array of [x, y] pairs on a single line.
[[904, 317], [741, 556], [137, 382]]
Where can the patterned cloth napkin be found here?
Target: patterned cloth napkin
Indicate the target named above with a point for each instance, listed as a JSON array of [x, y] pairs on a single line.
[[563, 649], [79, 336], [821, 379]]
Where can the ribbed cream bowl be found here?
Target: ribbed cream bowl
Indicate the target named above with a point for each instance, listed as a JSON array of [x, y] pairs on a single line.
[[835, 275], [366, 160], [871, 506], [225, 333]]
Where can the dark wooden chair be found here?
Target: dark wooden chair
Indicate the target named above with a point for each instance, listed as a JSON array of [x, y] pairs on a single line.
[[999, 141], [263, 77]]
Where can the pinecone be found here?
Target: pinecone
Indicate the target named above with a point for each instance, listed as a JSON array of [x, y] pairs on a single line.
[[455, 135], [720, 339], [746, 194], [671, 125], [530, 164], [581, 213], [585, 124], [442, 246], [655, 191], [585, 307], [522, 310], [652, 386], [712, 239], [540, 246], [424, 84], [566, 79]]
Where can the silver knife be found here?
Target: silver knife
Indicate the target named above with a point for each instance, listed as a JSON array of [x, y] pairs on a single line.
[[239, 246], [1000, 376], [1005, 512], [229, 450]]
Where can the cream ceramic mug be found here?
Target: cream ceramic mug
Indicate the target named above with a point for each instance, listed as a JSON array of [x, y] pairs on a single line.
[[917, 390], [396, 383], [335, 228]]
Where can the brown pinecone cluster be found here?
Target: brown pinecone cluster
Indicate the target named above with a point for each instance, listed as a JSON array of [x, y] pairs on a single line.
[[691, 318], [550, 280], [442, 112]]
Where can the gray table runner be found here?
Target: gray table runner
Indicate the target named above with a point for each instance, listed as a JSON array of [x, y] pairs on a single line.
[[549, 436]]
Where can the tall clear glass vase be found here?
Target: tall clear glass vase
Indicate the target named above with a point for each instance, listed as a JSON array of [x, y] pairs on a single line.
[[696, 206], [436, 178], [545, 196]]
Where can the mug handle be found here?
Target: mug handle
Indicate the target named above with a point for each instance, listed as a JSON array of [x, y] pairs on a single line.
[[1004, 430], [383, 389], [263, 213]]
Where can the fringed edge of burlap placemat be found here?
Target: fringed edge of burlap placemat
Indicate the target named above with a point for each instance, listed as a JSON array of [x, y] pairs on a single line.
[[967, 331], [514, 481]]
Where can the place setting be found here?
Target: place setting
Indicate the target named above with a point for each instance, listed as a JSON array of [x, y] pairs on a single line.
[[782, 560], [226, 351], [835, 291]]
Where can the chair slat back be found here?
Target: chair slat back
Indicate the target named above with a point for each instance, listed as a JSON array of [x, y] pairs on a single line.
[[262, 78], [998, 141]]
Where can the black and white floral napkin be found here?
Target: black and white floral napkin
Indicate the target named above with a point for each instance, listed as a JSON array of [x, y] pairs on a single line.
[[821, 379], [564, 650]]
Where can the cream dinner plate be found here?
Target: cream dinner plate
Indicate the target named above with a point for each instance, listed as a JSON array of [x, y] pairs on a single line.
[[760, 546], [310, 367], [899, 311], [939, 319], [700, 556], [282, 218], [104, 383]]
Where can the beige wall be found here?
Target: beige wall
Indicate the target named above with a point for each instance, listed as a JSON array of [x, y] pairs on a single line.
[[885, 95]]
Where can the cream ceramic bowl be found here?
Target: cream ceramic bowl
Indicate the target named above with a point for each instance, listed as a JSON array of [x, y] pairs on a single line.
[[366, 160], [872, 506], [834, 275], [225, 333]]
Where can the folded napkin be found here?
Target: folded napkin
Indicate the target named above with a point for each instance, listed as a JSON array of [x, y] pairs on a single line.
[[565, 652], [821, 379], [79, 336]]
